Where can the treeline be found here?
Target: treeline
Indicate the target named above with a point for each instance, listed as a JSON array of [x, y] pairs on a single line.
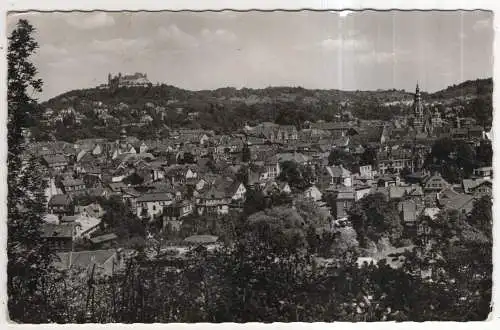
[[270, 275]]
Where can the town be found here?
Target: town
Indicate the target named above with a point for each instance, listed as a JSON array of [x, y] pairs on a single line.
[[135, 201]]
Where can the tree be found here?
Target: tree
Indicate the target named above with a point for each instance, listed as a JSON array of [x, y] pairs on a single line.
[[133, 179], [344, 158], [374, 217], [368, 157], [242, 175], [298, 176], [254, 201], [28, 259], [481, 215], [484, 154]]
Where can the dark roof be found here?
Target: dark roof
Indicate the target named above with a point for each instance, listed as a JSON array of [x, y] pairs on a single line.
[[61, 199], [201, 239], [54, 159], [84, 259], [153, 197], [330, 125], [70, 182], [57, 230], [117, 186], [103, 238]]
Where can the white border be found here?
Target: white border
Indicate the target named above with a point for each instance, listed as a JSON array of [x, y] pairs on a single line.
[[135, 5]]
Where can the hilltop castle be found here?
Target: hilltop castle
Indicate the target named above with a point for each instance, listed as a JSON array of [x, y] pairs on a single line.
[[134, 80]]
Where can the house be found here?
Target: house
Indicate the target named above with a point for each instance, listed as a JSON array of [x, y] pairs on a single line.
[[313, 193], [394, 161], [104, 262], [295, 157], [90, 210], [58, 237], [85, 226], [389, 181], [279, 187], [275, 133], [483, 172], [262, 171], [151, 204], [116, 187], [435, 183], [98, 192], [483, 188], [236, 190], [344, 200], [56, 162], [361, 191], [178, 210], [180, 174], [70, 185], [130, 196], [338, 175], [208, 241], [104, 241], [410, 212], [338, 129], [461, 202], [366, 172], [215, 201], [61, 204]]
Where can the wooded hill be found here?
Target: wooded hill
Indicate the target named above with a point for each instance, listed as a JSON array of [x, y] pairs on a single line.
[[229, 109]]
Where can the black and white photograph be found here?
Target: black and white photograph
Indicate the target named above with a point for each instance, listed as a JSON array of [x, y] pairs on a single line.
[[249, 166]]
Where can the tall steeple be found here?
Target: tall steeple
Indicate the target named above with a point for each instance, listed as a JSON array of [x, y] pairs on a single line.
[[418, 111]]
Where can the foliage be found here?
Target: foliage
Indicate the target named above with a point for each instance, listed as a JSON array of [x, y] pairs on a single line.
[[255, 201], [133, 179], [454, 159], [118, 218], [299, 177], [28, 260], [344, 158], [373, 217]]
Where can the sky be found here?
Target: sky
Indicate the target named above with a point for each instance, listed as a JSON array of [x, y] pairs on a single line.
[[364, 50]]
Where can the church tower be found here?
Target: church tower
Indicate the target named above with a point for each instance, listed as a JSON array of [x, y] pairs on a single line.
[[418, 112]]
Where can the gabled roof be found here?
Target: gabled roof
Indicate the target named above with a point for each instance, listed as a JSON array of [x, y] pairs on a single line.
[[410, 211], [338, 171], [131, 191], [330, 125], [396, 192], [60, 200], [54, 159], [155, 197], [461, 201], [57, 230], [84, 259], [117, 186], [201, 239], [294, 157], [70, 182], [346, 194], [471, 184], [103, 238]]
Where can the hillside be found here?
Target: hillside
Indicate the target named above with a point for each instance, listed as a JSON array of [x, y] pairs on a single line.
[[151, 110], [480, 87]]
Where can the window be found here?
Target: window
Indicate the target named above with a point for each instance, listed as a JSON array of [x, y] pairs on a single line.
[[154, 207]]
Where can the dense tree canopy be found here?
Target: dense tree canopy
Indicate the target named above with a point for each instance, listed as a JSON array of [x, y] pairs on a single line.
[[373, 217]]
